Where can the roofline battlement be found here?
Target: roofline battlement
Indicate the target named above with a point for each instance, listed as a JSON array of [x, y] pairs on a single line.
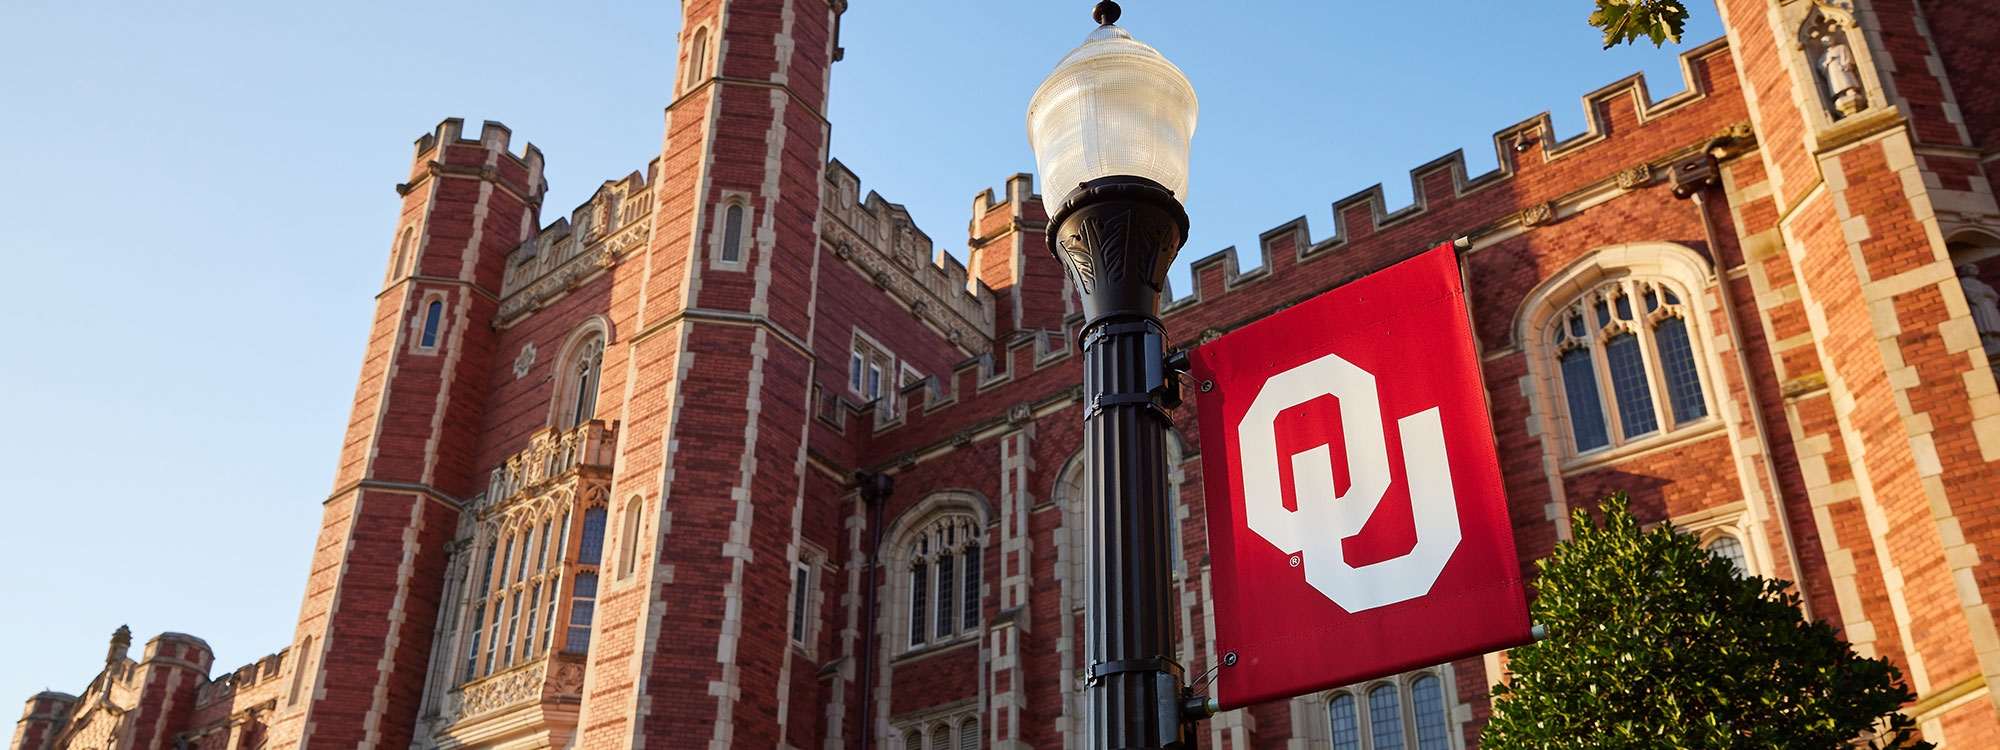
[[1365, 212], [878, 238], [594, 236], [443, 151]]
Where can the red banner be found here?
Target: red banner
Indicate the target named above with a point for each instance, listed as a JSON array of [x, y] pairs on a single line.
[[1357, 524]]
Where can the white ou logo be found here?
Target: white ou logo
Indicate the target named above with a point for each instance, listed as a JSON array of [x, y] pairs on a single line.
[[1324, 518]]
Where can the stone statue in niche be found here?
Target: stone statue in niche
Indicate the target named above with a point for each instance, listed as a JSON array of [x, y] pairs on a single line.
[[1834, 63], [1985, 304]]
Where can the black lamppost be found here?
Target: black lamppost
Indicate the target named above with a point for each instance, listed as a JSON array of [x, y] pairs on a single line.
[[1110, 127]]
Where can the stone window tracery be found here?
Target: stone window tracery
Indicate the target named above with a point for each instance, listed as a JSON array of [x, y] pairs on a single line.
[[1626, 361], [943, 564], [583, 379]]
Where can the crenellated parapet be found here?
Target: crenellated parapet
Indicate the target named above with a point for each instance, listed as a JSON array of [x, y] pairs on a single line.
[[563, 255], [445, 151], [1540, 180], [877, 238], [1537, 178]]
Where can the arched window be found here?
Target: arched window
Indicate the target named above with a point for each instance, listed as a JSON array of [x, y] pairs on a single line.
[[1626, 360], [968, 734], [913, 739], [433, 317], [732, 233], [1346, 722], [582, 381], [944, 580], [628, 543], [1408, 712], [1729, 548], [299, 672], [1428, 695], [698, 58]]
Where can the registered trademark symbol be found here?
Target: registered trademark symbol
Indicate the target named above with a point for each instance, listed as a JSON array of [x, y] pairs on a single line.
[[1295, 561]]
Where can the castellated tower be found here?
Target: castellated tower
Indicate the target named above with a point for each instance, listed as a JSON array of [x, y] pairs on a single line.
[[363, 641], [1873, 185]]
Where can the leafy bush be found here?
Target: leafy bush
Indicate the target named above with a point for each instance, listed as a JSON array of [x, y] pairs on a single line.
[[1652, 642]]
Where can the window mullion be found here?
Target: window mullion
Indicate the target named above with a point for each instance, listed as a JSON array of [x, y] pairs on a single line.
[[1600, 360], [1649, 354]]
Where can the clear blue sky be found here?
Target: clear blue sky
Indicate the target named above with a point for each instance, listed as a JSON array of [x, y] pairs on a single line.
[[198, 206]]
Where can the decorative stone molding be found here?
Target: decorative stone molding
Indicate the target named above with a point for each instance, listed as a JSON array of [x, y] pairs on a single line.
[[551, 454], [524, 361], [1635, 177], [1538, 214], [1019, 413], [521, 685]]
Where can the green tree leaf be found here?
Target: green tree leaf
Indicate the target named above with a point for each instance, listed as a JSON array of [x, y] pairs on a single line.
[[1626, 21], [1655, 643]]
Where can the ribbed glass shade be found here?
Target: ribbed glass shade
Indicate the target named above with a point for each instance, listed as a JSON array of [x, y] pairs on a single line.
[[1114, 106]]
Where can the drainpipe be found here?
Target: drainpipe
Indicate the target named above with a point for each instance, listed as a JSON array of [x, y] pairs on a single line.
[[876, 487], [1694, 178]]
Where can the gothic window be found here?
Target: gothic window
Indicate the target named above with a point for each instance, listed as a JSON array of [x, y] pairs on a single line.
[[433, 318], [1385, 717], [582, 380], [1729, 548], [732, 233], [1346, 722], [968, 734], [583, 594], [1625, 357], [1427, 694], [944, 580], [801, 600], [1404, 713], [957, 732]]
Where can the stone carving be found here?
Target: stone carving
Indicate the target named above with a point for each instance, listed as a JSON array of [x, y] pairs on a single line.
[[1538, 214], [1632, 178], [566, 276], [961, 438], [566, 679], [1985, 304], [843, 251], [1019, 413], [525, 360], [1208, 336], [1825, 39], [502, 690], [551, 454]]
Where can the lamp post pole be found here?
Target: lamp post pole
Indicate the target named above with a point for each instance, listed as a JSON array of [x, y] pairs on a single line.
[[1111, 128], [1117, 237]]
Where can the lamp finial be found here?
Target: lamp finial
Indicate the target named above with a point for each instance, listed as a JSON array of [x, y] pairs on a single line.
[[1105, 13]]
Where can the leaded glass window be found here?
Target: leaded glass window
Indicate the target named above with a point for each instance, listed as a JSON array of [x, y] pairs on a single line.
[[1428, 695], [1624, 354], [944, 580], [1346, 722], [1385, 717]]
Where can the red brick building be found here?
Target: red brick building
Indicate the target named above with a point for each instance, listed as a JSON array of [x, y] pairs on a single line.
[[598, 489]]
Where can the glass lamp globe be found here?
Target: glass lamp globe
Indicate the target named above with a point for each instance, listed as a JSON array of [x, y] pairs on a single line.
[[1113, 107]]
